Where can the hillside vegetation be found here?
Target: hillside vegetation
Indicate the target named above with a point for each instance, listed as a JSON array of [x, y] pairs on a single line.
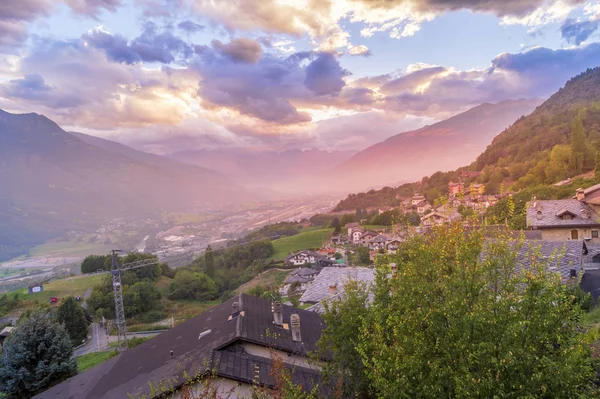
[[559, 140]]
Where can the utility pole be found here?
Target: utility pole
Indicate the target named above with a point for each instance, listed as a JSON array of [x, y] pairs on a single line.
[[119, 309]]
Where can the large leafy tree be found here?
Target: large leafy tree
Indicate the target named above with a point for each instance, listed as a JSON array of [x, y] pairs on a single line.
[[94, 263], [37, 355], [70, 314], [191, 285], [451, 322]]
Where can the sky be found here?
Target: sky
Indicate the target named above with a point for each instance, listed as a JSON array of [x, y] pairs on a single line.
[[271, 75]]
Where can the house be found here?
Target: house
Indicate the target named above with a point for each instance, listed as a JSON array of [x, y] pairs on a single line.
[[455, 188], [232, 342], [366, 237], [303, 258], [477, 189], [300, 278], [354, 232], [393, 245], [378, 242], [422, 207], [6, 331], [339, 239], [330, 283], [416, 199], [433, 219], [566, 219]]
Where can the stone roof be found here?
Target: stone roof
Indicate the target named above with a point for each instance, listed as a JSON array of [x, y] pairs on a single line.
[[545, 213], [434, 213], [304, 271], [382, 238], [338, 276], [133, 371], [560, 255], [298, 279]]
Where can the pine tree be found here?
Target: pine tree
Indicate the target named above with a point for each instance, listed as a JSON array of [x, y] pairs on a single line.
[[578, 147], [209, 262], [337, 227], [37, 355], [70, 314]]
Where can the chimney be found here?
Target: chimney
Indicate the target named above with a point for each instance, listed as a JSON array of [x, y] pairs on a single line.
[[573, 272], [277, 310], [580, 194], [235, 308], [295, 323], [333, 289]]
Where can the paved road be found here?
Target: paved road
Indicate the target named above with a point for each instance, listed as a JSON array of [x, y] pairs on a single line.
[[97, 343]]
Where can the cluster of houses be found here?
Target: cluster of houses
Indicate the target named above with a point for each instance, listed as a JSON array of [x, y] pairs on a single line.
[[375, 241], [230, 342]]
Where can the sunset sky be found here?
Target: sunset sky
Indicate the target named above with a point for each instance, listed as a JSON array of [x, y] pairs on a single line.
[[169, 75]]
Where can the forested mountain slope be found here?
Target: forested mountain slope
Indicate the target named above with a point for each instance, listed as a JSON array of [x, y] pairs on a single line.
[[559, 140]]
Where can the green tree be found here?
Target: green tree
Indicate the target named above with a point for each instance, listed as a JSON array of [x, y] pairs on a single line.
[[340, 340], [363, 255], [209, 262], [70, 314], [337, 227], [37, 355], [190, 285], [597, 166], [578, 147], [453, 323], [140, 298], [93, 263]]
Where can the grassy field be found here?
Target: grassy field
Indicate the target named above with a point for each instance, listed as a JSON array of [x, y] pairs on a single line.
[[72, 286], [92, 359], [69, 249], [270, 277], [307, 240]]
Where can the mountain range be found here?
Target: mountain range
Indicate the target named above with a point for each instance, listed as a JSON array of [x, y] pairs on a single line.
[[52, 181], [534, 153], [442, 146]]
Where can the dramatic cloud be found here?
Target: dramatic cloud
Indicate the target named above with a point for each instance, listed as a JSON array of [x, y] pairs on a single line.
[[578, 31], [240, 50], [150, 46], [79, 86], [14, 18], [359, 50], [190, 27], [268, 88], [322, 20], [31, 87], [93, 7], [325, 75]]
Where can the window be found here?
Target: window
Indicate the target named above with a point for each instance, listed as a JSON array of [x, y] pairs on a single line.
[[574, 235], [594, 233], [566, 217]]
